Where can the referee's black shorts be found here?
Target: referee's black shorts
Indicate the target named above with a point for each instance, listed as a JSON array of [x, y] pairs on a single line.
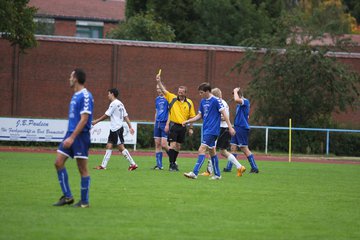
[[224, 138], [176, 133], [116, 137]]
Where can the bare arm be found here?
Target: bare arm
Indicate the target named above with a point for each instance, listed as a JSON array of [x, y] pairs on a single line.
[[237, 98], [103, 117], [127, 120], [227, 120], [191, 120], [79, 127]]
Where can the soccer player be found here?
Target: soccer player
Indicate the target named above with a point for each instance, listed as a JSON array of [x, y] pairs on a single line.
[[210, 111], [241, 123], [223, 142], [117, 114], [76, 142], [160, 136], [181, 109]]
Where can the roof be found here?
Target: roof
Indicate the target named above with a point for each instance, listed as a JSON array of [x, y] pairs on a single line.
[[183, 46], [105, 10]]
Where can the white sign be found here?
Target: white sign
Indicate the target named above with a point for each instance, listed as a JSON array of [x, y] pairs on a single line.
[[30, 129], [100, 133], [51, 130]]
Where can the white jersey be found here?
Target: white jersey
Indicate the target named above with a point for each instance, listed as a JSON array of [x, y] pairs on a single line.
[[116, 112], [223, 123]]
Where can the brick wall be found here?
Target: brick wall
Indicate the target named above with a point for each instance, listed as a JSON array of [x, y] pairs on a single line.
[[36, 83]]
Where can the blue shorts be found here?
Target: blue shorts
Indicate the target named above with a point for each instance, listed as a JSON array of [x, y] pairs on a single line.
[[159, 130], [241, 137], [80, 147], [209, 140]]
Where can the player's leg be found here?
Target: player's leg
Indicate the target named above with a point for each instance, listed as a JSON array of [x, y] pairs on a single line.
[[81, 147], [201, 158], [127, 155], [106, 157], [67, 197], [112, 139], [251, 159], [158, 153], [244, 135], [62, 155], [158, 148], [230, 157], [85, 182], [215, 163], [124, 151]]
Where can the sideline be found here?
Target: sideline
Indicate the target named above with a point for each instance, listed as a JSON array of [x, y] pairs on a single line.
[[259, 157]]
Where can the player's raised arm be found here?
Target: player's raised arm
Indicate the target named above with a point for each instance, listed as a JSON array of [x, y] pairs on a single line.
[[161, 86], [238, 96]]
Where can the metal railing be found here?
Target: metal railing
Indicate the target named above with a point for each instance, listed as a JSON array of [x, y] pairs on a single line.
[[267, 128]]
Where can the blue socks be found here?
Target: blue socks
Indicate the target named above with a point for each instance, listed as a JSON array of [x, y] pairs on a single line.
[[252, 162], [215, 163], [64, 182], [85, 185], [159, 156], [199, 163]]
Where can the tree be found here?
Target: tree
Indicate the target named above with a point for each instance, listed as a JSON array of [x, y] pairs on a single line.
[[16, 23], [229, 22], [299, 81], [143, 27]]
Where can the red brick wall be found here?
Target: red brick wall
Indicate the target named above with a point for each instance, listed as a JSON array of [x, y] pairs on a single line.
[[43, 88], [6, 77], [65, 28], [108, 27]]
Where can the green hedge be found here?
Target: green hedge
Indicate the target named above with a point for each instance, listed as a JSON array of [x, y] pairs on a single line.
[[306, 142]]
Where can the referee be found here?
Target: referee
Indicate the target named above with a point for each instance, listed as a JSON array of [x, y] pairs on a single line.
[[181, 109]]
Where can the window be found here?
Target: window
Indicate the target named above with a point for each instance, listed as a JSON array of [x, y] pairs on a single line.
[[44, 26], [89, 29]]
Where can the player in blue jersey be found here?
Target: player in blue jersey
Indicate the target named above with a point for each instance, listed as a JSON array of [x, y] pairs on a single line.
[[161, 119], [76, 142], [223, 141], [242, 128], [210, 111]]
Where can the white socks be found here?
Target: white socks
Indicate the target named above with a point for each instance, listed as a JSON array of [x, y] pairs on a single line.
[[232, 159], [210, 167], [106, 158], [128, 156]]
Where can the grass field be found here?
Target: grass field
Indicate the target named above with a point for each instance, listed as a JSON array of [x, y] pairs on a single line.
[[285, 201]]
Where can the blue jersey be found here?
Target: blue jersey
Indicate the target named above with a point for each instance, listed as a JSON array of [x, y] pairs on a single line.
[[162, 109], [242, 114], [210, 113], [81, 102]]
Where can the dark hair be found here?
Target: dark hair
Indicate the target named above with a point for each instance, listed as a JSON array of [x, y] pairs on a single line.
[[205, 86], [114, 91], [80, 75]]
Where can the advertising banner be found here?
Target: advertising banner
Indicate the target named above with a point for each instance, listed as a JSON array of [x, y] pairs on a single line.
[[53, 130]]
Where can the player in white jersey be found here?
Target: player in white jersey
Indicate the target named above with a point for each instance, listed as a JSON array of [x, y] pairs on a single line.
[[117, 114], [223, 142]]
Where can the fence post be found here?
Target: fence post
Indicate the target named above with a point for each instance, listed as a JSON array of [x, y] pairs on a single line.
[[327, 141], [266, 139]]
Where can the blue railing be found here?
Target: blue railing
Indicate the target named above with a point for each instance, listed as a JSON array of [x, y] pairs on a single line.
[[267, 128]]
